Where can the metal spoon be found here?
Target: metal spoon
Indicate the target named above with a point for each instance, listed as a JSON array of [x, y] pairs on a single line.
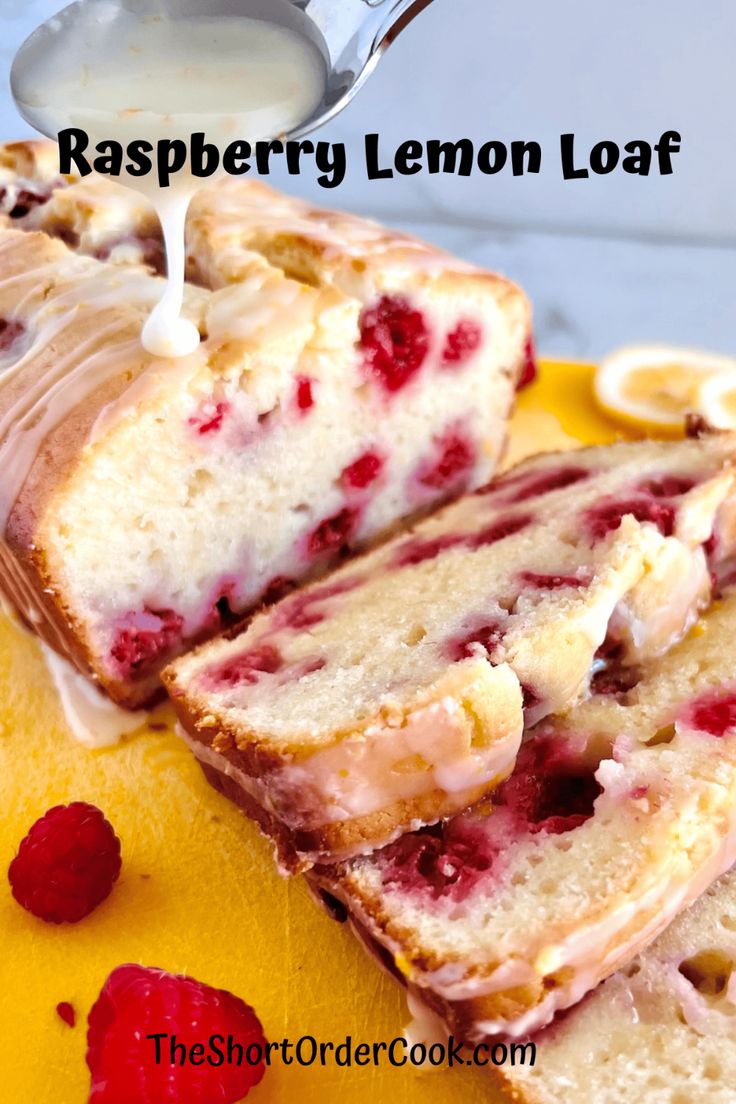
[[356, 33], [352, 36]]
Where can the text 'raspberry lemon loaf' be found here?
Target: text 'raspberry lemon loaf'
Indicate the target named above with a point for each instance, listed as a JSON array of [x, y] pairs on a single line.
[[661, 1031], [347, 377], [615, 818], [395, 693]]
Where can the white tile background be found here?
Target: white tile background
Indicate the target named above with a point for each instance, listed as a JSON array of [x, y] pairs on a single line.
[[606, 260]]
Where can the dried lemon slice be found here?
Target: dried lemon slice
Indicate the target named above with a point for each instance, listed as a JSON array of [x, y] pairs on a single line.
[[717, 400], [652, 387]]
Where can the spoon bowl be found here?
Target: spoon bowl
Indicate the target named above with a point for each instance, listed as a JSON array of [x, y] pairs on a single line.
[[351, 36]]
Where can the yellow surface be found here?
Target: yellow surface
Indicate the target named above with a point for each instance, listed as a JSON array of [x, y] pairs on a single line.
[[198, 892]]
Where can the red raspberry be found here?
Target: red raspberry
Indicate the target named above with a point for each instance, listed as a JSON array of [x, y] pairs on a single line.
[[143, 639], [362, 472], [444, 860], [299, 612], [529, 370], [10, 331], [65, 1011], [304, 395], [554, 582], [26, 201], [606, 516], [247, 667], [550, 790], [500, 529], [667, 486], [333, 534], [415, 550], [395, 340], [489, 636], [461, 343], [209, 416], [714, 713], [139, 1001], [524, 486], [455, 459], [67, 864]]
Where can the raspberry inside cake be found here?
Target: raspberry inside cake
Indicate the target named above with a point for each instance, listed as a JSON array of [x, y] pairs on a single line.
[[615, 818], [347, 378], [396, 692]]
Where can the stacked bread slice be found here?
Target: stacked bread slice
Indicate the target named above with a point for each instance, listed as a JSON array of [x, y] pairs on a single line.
[[615, 818], [145, 503], [660, 1031], [396, 693], [617, 811]]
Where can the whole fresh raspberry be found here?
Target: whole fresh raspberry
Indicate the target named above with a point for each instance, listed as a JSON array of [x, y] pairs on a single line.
[[67, 864], [128, 1064]]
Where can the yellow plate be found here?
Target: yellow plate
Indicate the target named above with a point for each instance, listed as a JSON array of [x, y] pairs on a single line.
[[198, 892]]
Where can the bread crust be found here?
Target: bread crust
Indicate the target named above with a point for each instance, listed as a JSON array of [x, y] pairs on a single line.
[[257, 764], [292, 847]]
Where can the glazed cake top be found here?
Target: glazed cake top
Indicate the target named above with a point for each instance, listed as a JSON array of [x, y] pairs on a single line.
[[262, 268]]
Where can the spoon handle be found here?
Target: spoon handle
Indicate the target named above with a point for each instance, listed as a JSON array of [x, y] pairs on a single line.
[[399, 14]]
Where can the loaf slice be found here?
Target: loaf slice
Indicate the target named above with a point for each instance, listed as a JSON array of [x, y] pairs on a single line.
[[396, 693], [616, 817], [145, 503], [660, 1031]]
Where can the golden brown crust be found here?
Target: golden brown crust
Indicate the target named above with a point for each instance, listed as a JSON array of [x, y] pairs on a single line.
[[310, 244], [319, 246], [32, 159], [23, 567], [461, 1026], [271, 828], [40, 605], [516, 1092], [373, 929], [460, 1017], [338, 838], [83, 337]]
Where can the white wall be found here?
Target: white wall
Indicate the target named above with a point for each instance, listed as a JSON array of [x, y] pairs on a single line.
[[537, 68]]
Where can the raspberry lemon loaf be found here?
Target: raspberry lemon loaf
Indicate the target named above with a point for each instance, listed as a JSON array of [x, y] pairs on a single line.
[[347, 378], [664, 1027], [615, 818], [396, 692]]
